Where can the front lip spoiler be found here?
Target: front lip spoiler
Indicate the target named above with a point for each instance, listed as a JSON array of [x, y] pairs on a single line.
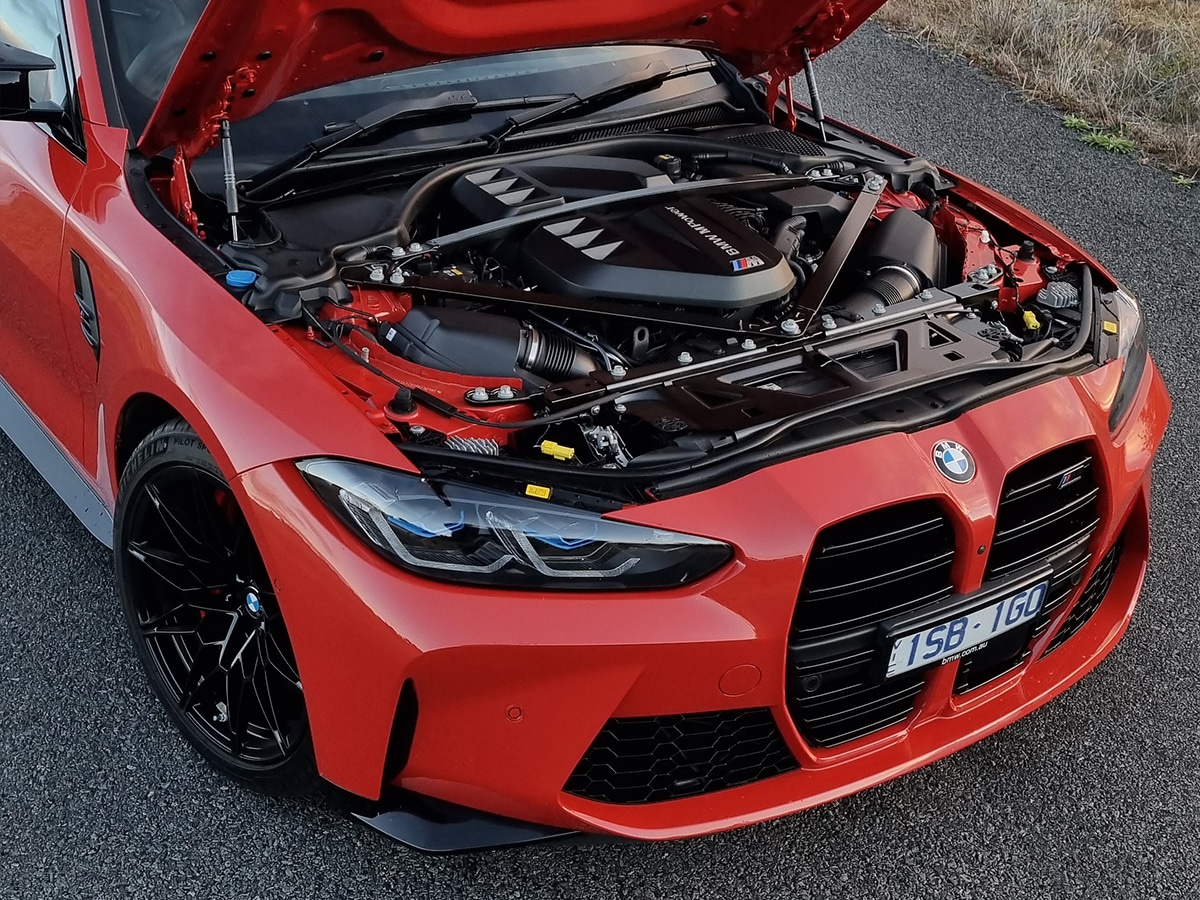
[[435, 826]]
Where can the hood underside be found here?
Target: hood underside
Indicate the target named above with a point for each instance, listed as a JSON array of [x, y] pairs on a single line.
[[246, 54]]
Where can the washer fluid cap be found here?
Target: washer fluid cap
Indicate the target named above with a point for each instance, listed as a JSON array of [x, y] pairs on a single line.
[[240, 279]]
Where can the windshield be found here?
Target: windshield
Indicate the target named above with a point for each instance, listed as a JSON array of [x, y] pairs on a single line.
[[147, 37], [294, 121]]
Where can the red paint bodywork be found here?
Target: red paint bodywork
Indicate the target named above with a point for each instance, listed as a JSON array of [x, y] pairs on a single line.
[[283, 48], [362, 627]]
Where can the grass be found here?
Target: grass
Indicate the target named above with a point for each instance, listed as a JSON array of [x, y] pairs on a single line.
[[1078, 123], [1111, 141], [1126, 71]]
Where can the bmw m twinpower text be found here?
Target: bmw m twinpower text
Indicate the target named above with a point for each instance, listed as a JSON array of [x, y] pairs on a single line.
[[536, 417]]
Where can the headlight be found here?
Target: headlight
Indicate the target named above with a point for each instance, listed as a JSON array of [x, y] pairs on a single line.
[[461, 533], [1131, 348]]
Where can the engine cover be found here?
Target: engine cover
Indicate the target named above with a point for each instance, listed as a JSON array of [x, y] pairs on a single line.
[[683, 252]]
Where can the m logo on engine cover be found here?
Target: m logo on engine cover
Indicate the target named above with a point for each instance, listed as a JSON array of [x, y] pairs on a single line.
[[954, 461]]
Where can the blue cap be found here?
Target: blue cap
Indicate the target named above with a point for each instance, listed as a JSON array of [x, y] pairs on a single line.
[[240, 279]]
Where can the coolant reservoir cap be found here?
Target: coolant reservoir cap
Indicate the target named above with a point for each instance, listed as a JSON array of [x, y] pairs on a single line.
[[240, 279]]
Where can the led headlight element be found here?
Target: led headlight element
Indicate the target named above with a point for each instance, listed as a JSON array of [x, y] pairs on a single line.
[[457, 532], [1131, 347]]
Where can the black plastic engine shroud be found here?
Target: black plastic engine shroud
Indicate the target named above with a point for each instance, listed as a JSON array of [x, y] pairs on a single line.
[[686, 252]]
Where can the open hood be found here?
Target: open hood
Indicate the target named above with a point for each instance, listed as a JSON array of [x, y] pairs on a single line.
[[246, 54]]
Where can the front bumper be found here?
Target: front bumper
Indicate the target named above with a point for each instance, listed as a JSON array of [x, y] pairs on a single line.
[[512, 687]]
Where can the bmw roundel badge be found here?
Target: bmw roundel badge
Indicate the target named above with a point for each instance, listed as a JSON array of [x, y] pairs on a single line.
[[954, 461]]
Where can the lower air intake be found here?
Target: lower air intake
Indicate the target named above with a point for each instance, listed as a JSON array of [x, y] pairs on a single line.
[[1091, 598], [656, 758]]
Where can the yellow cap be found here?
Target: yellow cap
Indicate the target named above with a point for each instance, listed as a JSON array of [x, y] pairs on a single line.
[[558, 451], [1031, 321], [1110, 327], [536, 490]]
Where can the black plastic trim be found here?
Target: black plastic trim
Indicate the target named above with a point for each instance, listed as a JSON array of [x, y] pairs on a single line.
[[835, 687], [404, 728], [168, 224], [27, 433], [85, 299], [435, 826], [98, 28], [652, 759], [1092, 596]]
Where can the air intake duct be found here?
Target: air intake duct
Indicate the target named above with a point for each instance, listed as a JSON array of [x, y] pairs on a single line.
[[468, 342], [902, 258]]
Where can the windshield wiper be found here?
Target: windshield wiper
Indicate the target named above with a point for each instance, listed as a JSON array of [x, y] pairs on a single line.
[[362, 127], [604, 94]]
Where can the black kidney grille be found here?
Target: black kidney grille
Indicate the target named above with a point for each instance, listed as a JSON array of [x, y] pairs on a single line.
[[1048, 512], [861, 572], [1093, 595], [833, 717], [1047, 509], [645, 760], [1010, 650]]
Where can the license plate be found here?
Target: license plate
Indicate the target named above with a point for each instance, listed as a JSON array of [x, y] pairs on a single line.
[[967, 632]]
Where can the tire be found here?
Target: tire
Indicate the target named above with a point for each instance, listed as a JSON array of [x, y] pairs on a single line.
[[203, 615]]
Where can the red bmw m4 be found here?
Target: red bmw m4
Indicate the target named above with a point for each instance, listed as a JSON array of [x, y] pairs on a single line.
[[530, 418]]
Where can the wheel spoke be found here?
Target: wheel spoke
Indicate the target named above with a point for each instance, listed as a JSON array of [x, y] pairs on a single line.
[[199, 679], [262, 692], [164, 564], [244, 554], [170, 630], [180, 533], [278, 660], [171, 568], [235, 692], [163, 616], [213, 532], [240, 644]]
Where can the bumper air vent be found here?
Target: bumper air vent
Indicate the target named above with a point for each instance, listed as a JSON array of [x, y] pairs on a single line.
[[861, 572], [1091, 598], [646, 760]]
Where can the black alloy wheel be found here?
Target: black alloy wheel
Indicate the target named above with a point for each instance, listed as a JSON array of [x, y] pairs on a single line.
[[204, 617]]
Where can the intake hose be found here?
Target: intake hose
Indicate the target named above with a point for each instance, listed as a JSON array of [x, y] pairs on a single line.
[[902, 258], [554, 357], [789, 235], [425, 188], [469, 342]]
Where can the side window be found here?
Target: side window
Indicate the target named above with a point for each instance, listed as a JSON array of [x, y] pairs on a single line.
[[37, 26]]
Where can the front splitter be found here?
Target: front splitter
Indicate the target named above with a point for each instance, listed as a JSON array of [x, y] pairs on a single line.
[[434, 826]]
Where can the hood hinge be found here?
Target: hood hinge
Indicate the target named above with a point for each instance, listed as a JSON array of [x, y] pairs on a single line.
[[827, 28], [824, 31], [207, 136]]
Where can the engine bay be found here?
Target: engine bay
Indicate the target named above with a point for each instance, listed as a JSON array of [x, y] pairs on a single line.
[[612, 317]]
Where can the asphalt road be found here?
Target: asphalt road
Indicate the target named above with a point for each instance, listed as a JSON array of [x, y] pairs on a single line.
[[1096, 795]]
